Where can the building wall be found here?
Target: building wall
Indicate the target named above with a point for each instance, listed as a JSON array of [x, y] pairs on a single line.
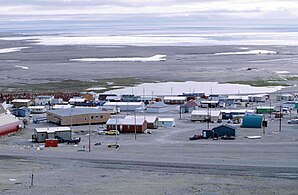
[[82, 119], [9, 128], [222, 131], [128, 128]]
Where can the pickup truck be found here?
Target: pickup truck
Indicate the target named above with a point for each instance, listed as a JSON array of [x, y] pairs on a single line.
[[74, 140]]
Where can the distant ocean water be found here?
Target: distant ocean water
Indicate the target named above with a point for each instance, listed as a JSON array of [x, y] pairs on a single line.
[[56, 32]]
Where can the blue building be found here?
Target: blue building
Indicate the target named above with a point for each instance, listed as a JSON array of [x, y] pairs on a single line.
[[224, 131], [252, 121], [21, 112]]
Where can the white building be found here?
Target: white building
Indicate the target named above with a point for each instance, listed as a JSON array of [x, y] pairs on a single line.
[[174, 99], [157, 107], [76, 100], [43, 100], [60, 133], [61, 106], [37, 109], [127, 106], [204, 115]]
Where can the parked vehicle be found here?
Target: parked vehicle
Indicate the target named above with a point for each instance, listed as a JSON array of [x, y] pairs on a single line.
[[195, 137], [293, 121], [74, 141], [112, 132]]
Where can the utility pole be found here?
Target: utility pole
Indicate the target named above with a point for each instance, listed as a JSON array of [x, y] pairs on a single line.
[[280, 116], [208, 117], [31, 183], [135, 126], [89, 134]]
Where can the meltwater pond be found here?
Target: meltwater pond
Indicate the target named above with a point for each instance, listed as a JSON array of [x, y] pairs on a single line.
[[176, 88]]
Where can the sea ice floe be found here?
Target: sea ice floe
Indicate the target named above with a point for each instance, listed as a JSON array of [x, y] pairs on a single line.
[[154, 58], [251, 52]]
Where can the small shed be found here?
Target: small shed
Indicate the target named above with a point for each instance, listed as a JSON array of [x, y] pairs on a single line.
[[252, 121], [166, 122], [157, 107], [224, 131]]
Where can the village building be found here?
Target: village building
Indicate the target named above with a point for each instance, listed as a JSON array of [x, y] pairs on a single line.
[[21, 112], [43, 100], [8, 122], [157, 107], [114, 98], [75, 100], [224, 131], [61, 106], [230, 114], [166, 122], [37, 109], [127, 106], [265, 110], [61, 133], [258, 98], [205, 115], [77, 116], [189, 106], [174, 99], [285, 97], [17, 103], [252, 121], [152, 121], [209, 103], [127, 124]]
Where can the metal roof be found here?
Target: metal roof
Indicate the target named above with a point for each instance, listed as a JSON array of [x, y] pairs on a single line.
[[76, 111], [126, 121], [6, 119], [51, 129]]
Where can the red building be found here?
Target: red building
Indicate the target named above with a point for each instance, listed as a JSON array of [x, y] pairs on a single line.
[[128, 124]]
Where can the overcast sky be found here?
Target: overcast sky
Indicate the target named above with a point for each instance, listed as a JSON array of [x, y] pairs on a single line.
[[283, 9]]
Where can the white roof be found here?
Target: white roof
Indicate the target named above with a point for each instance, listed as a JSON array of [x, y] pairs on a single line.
[[6, 119], [258, 95], [36, 107], [205, 112], [126, 121], [113, 98], [157, 105], [77, 99], [149, 119], [209, 102], [166, 119], [20, 100], [57, 106], [175, 98], [238, 111], [51, 129], [124, 104]]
